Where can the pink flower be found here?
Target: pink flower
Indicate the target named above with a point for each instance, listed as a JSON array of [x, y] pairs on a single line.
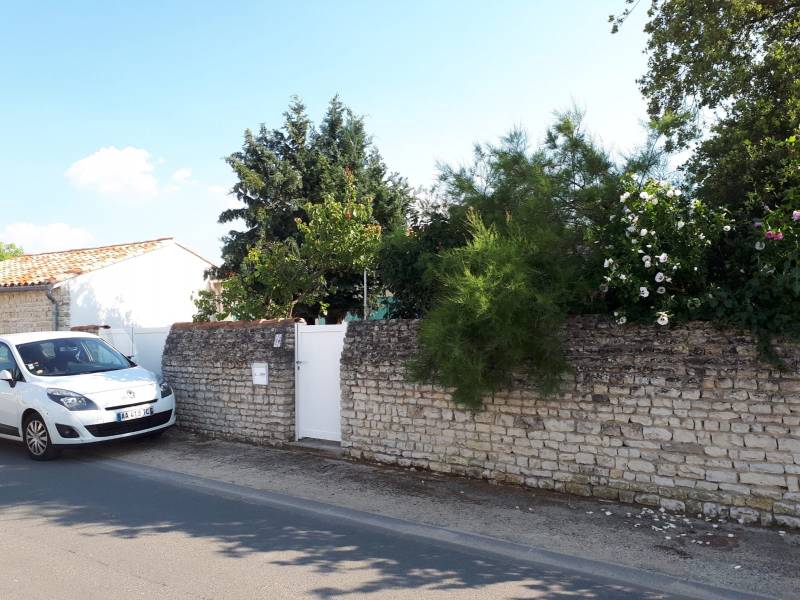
[[757, 224], [778, 235], [796, 215], [769, 234]]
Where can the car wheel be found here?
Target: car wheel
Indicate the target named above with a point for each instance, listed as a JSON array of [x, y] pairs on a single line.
[[37, 439]]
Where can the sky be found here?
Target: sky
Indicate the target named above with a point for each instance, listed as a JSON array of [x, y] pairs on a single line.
[[115, 118]]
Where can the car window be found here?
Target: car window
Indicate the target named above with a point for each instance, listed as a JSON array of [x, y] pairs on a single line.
[[71, 356], [9, 363]]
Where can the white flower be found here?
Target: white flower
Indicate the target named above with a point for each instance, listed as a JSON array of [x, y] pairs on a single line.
[[670, 193], [702, 236], [643, 232], [644, 195], [631, 229], [624, 196], [648, 264], [662, 258], [681, 224], [678, 192], [622, 276], [726, 228], [604, 287], [668, 279], [759, 245], [644, 292], [654, 201], [622, 320], [661, 289], [646, 258], [608, 262], [612, 218], [662, 318], [659, 277]]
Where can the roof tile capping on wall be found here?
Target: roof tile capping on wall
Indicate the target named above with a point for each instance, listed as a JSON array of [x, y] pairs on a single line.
[[209, 365], [685, 418]]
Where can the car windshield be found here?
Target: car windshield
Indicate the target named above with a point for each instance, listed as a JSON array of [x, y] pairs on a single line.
[[71, 356]]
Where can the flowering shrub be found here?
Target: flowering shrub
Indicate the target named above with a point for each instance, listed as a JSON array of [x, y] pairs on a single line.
[[654, 253]]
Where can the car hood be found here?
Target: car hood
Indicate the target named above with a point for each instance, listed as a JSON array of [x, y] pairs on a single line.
[[111, 388]]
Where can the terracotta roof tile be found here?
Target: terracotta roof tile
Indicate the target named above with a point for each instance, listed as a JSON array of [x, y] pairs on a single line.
[[54, 267]]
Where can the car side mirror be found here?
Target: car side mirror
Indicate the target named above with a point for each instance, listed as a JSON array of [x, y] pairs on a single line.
[[5, 375]]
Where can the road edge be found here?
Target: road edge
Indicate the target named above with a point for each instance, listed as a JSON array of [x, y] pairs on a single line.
[[465, 542]]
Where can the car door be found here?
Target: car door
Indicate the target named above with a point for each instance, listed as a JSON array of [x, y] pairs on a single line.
[[9, 402]]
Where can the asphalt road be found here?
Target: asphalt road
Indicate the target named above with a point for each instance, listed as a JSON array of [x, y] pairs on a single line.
[[92, 528]]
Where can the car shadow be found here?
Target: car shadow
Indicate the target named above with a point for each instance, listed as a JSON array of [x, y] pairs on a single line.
[[75, 492]]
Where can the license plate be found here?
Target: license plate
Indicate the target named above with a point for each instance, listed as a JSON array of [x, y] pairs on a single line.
[[134, 413]]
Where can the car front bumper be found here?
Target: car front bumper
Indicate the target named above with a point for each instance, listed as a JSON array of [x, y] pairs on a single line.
[[91, 427]]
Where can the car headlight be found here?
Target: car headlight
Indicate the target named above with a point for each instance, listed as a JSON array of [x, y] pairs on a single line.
[[166, 389], [70, 400]]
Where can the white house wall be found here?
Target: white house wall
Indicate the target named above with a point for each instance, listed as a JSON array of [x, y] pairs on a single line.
[[151, 290]]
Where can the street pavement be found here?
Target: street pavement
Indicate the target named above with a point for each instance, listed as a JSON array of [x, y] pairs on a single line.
[[95, 528]]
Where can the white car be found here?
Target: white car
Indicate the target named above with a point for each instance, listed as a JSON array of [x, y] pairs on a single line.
[[61, 389]]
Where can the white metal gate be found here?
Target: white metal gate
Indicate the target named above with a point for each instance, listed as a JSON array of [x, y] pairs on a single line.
[[318, 350], [144, 344]]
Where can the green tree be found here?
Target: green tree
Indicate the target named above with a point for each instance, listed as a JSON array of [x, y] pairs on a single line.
[[277, 276], [281, 172], [736, 64], [501, 299], [9, 251]]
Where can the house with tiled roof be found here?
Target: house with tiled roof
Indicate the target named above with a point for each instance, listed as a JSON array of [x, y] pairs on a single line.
[[140, 285]]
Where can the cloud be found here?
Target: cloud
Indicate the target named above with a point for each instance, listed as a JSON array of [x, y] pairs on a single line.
[[47, 237], [182, 175], [126, 172]]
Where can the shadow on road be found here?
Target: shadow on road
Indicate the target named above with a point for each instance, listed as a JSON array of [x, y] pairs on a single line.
[[74, 493]]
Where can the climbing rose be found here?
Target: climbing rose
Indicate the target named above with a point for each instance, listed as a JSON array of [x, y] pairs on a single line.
[[644, 292], [796, 215], [662, 319]]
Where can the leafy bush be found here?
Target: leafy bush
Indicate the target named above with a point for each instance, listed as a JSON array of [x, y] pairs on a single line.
[[655, 254], [407, 262], [502, 311]]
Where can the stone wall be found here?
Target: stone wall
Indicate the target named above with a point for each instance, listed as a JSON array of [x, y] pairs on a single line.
[[686, 418], [209, 367], [32, 311]]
